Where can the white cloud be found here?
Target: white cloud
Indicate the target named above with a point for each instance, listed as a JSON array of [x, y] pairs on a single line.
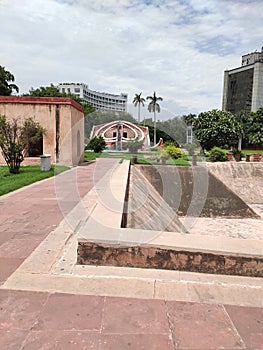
[[178, 48]]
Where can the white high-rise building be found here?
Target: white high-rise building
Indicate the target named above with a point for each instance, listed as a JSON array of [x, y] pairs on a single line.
[[243, 86], [100, 100]]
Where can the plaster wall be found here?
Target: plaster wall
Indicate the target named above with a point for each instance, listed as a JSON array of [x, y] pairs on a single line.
[[51, 113]]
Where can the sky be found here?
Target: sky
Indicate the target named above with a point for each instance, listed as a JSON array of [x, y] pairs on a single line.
[[178, 48]]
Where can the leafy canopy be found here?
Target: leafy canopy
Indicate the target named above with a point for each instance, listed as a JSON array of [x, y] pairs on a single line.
[[254, 127], [153, 104], [97, 144], [53, 91], [216, 128], [6, 82]]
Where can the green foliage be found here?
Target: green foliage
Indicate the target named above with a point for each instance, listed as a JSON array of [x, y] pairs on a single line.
[[169, 130], [142, 157], [6, 82], [15, 140], [97, 144], [46, 91], [163, 154], [173, 151], [138, 101], [170, 143], [134, 145], [32, 132], [218, 154], [189, 118], [153, 104], [238, 154], [254, 128], [216, 128], [191, 148], [53, 91], [226, 147]]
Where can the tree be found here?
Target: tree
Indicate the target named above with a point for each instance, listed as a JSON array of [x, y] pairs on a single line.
[[138, 101], [154, 107], [216, 128], [242, 117], [53, 91], [97, 144], [134, 145], [32, 133], [15, 140], [254, 128], [6, 88]]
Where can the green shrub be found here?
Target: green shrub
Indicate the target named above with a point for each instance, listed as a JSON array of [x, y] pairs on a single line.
[[173, 151], [97, 144], [237, 154], [164, 154], [191, 148], [171, 143], [218, 154], [134, 145]]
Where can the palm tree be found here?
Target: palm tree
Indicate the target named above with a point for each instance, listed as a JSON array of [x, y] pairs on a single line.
[[154, 107], [138, 101]]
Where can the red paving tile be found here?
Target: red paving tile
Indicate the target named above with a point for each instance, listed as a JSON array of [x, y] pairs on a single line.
[[134, 316], [19, 310], [136, 342], [12, 339], [5, 236], [249, 324], [202, 326], [71, 312], [8, 266], [62, 340], [19, 247]]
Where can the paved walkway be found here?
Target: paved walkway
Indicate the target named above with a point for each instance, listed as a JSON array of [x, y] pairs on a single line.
[[45, 320]]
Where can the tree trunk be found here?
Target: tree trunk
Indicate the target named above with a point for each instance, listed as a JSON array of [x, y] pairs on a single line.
[[139, 112], [239, 143], [154, 135]]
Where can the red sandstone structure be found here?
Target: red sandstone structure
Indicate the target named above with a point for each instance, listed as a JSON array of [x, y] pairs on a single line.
[[118, 132], [62, 118]]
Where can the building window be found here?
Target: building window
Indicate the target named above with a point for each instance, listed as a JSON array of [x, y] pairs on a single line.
[[125, 134], [77, 89]]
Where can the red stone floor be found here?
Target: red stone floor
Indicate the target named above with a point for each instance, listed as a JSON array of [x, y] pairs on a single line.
[[35, 320]]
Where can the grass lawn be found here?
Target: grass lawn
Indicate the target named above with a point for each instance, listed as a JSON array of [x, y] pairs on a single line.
[[28, 175], [251, 152], [142, 158]]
